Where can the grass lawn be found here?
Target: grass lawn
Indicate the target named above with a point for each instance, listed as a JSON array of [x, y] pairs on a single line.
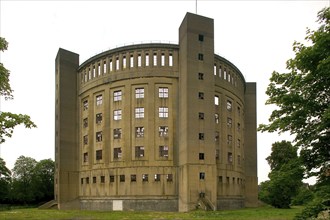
[[262, 213]]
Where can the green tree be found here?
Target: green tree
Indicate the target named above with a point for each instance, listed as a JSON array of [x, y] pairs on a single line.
[[8, 120], [23, 174], [43, 180], [5, 181], [302, 96], [285, 177], [282, 153]]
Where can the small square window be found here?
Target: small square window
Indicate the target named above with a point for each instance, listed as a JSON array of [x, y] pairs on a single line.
[[201, 115], [201, 136], [117, 115], [201, 37], [163, 112], [169, 177], [122, 178], [202, 176], [200, 56], [117, 96], [133, 178], [139, 112], [112, 178], [157, 177], [139, 93], [145, 177], [201, 95], [163, 92], [201, 156]]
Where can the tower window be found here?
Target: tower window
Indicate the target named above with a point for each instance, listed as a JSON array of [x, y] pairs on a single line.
[[215, 69], [147, 59], [122, 178], [98, 118], [229, 122], [163, 59], [139, 60], [155, 59], [201, 156], [131, 61], [170, 60], [201, 95], [117, 133], [238, 127], [94, 179], [133, 178], [201, 37], [216, 116], [217, 154], [117, 63], [124, 62], [163, 151], [102, 179], [201, 115], [217, 137], [229, 139], [104, 67], [98, 155], [201, 175], [201, 76], [110, 65], [139, 152], [239, 159], [87, 180], [117, 153], [85, 139], [238, 143], [112, 178], [99, 69], [200, 56], [201, 136]]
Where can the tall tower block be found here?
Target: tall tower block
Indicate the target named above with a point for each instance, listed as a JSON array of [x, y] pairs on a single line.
[[197, 177], [66, 147]]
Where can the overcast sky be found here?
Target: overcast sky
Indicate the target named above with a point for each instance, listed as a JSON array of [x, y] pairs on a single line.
[[256, 36]]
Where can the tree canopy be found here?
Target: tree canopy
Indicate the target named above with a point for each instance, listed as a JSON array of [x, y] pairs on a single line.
[[8, 120], [302, 97]]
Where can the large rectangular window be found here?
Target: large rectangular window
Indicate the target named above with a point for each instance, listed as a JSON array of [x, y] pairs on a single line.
[[98, 155], [157, 177], [131, 61], [98, 118], [163, 92], [139, 60], [163, 151], [117, 133], [104, 67], [139, 132], [163, 131], [117, 63], [139, 93], [139, 151], [163, 112], [124, 62], [155, 59], [139, 112], [117, 115], [99, 100], [110, 65], [163, 59], [117, 153], [85, 105], [170, 61], [147, 59], [99, 136], [117, 95]]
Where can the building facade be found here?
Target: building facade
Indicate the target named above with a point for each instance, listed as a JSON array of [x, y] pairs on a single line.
[[166, 127]]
